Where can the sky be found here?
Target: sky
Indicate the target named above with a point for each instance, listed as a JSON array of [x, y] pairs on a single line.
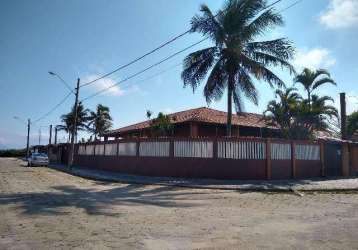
[[87, 38]]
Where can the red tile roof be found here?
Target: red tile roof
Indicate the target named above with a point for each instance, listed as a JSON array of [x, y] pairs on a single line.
[[204, 115]]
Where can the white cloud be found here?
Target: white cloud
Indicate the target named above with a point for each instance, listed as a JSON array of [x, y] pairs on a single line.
[[105, 83], [314, 58], [340, 14]]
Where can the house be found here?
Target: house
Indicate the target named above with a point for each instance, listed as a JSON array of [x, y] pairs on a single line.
[[201, 122]]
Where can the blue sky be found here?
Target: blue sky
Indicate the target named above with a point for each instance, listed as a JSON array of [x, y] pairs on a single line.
[[86, 38]]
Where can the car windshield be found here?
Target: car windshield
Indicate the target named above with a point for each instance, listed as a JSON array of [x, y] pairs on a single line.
[[39, 154]]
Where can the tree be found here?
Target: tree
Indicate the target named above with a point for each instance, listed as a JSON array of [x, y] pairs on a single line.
[[66, 126], [235, 59], [316, 115], [99, 121], [298, 118], [161, 126], [149, 114], [69, 119], [312, 79], [352, 124], [283, 111]]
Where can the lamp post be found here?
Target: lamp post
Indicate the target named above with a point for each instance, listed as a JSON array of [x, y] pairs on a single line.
[[73, 132]]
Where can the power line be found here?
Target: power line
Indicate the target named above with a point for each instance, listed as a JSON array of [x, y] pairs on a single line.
[[62, 80], [144, 70], [159, 73], [54, 108], [137, 59], [272, 4], [290, 6], [171, 56], [153, 51]]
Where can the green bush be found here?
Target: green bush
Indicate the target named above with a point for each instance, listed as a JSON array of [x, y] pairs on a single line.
[[13, 153]]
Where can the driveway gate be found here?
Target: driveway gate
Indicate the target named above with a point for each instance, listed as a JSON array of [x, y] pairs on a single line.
[[333, 159]]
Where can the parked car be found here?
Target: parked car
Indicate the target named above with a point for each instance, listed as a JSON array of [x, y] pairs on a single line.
[[37, 159]]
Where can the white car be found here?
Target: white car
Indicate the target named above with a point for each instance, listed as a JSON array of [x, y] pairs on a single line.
[[37, 159]]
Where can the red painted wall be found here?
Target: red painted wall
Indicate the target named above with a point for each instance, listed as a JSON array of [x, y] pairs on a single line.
[[178, 167]]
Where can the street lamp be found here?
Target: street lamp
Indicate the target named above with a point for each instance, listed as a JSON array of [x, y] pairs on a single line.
[[61, 79], [70, 160]]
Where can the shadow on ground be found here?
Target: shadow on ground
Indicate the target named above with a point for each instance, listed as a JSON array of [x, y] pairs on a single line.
[[96, 202]]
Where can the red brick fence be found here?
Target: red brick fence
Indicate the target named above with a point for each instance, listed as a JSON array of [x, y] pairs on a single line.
[[220, 158]]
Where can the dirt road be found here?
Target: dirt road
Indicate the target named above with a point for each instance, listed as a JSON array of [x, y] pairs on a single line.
[[41, 208]]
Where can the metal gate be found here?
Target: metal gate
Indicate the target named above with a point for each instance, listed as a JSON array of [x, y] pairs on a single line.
[[333, 159]]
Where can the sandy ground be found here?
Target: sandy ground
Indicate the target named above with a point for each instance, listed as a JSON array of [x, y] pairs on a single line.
[[41, 208]]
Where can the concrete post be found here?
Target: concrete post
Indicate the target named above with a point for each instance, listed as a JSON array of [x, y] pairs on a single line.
[[215, 148], [293, 159], [345, 159], [268, 159], [171, 148], [323, 167]]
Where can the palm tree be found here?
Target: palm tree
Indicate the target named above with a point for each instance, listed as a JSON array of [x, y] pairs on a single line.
[[296, 117], [148, 114], [99, 121], [352, 124], [69, 119], [312, 79], [315, 116], [323, 112], [161, 126], [235, 56], [283, 111], [66, 126]]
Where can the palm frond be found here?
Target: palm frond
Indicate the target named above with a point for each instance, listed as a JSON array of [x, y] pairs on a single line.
[[207, 25], [279, 48], [238, 102], [196, 66], [245, 84], [216, 83], [259, 25], [261, 72], [269, 60], [323, 81]]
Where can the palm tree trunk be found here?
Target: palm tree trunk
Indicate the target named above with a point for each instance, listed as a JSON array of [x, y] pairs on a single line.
[[229, 106]]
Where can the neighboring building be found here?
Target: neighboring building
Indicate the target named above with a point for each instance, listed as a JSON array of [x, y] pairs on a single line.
[[202, 122]]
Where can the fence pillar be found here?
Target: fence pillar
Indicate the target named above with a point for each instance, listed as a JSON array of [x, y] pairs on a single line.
[[215, 148], [345, 159], [323, 167], [293, 159], [171, 148], [268, 159], [138, 143]]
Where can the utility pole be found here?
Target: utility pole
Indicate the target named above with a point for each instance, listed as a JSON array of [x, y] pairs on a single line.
[[50, 139], [55, 135], [70, 162], [28, 139], [343, 116], [39, 136]]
